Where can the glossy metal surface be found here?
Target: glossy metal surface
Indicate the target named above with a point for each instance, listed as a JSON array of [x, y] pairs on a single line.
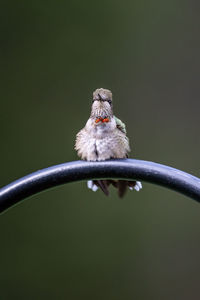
[[83, 170]]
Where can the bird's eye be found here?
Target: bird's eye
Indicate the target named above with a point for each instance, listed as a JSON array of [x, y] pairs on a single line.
[[109, 101]]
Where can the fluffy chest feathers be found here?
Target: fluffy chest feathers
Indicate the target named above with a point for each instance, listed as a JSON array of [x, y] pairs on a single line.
[[101, 130], [101, 141]]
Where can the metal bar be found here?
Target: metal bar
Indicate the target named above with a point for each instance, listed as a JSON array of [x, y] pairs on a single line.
[[130, 169]]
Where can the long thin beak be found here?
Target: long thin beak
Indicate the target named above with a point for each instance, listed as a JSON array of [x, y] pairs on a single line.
[[100, 97]]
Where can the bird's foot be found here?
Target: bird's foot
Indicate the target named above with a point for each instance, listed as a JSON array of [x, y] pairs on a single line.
[[137, 186], [92, 186]]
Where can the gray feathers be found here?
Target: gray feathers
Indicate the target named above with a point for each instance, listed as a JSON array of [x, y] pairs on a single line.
[[104, 137]]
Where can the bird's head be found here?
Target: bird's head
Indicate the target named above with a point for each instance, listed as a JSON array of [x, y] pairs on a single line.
[[102, 109]]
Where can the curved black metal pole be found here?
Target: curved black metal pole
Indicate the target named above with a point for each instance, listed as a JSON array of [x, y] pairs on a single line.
[[83, 170]]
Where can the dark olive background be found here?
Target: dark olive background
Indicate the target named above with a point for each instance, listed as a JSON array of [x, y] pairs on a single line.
[[67, 242]]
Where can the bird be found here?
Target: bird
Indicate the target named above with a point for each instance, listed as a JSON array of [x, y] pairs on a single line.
[[104, 137]]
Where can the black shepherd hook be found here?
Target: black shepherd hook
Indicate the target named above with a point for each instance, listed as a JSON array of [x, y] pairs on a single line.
[[129, 169]]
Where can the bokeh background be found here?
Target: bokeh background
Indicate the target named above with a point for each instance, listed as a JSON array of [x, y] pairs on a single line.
[[67, 242]]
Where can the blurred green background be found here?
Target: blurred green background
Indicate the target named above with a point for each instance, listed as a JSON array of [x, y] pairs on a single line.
[[70, 243]]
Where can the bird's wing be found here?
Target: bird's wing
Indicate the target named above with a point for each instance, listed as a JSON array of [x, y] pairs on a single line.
[[120, 125]]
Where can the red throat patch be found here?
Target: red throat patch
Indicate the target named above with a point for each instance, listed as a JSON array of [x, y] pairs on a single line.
[[105, 120]]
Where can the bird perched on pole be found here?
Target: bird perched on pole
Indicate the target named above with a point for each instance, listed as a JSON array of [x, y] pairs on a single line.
[[104, 137]]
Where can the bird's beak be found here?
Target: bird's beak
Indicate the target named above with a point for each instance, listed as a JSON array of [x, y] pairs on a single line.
[[100, 97]]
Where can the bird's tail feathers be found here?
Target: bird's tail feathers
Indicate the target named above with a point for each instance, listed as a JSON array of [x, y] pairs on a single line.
[[121, 186]]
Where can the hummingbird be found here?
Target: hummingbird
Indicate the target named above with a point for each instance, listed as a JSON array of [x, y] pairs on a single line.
[[102, 138]]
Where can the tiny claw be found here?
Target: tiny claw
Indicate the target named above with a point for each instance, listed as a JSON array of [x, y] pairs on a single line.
[[94, 188], [97, 120], [89, 184], [138, 186]]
